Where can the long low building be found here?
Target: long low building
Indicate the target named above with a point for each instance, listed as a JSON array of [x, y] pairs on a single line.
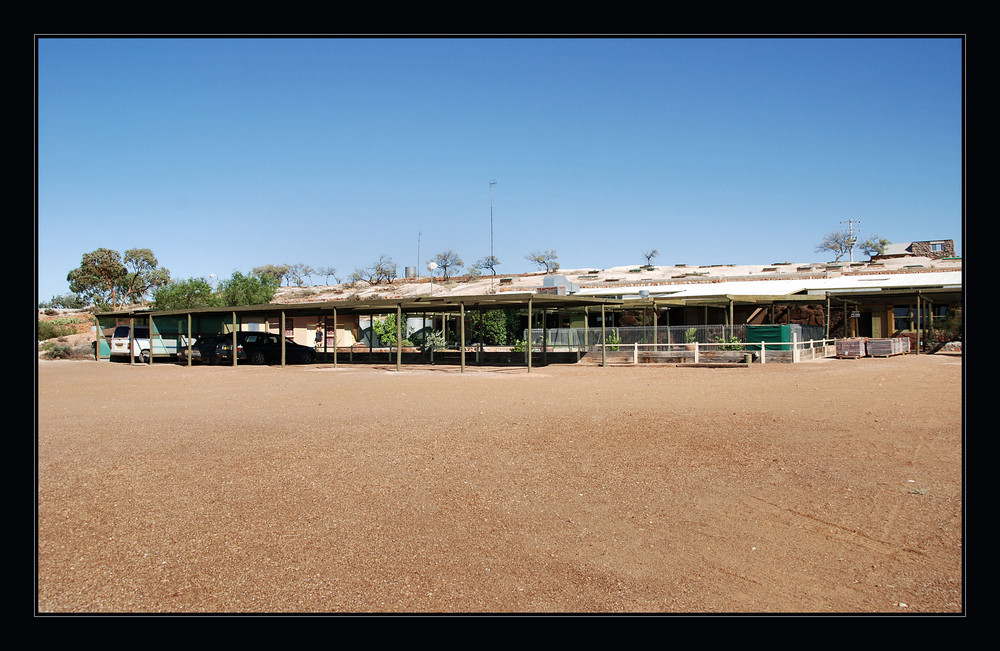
[[872, 303], [884, 303]]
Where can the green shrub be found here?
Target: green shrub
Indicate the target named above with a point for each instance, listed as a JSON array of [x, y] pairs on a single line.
[[490, 325], [53, 329], [948, 328], [385, 330], [59, 351], [733, 343], [428, 339]]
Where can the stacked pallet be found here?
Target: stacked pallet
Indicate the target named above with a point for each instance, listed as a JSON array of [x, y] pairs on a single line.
[[850, 348], [888, 347]]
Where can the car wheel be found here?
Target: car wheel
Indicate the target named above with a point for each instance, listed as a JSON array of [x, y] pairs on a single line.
[[257, 357], [306, 357]]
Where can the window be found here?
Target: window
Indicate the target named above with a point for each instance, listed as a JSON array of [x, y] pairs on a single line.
[[902, 318], [905, 317], [121, 332]]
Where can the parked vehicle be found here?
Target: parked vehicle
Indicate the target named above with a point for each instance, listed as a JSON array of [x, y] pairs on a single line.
[[223, 353], [202, 349], [262, 347], [162, 347]]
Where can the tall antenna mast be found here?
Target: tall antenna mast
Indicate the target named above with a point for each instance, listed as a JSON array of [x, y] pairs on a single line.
[[850, 233], [492, 258], [492, 183]]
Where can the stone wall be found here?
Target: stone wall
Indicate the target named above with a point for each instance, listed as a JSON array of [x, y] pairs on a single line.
[[924, 249]]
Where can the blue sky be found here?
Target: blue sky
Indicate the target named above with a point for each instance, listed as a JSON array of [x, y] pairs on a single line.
[[225, 154]]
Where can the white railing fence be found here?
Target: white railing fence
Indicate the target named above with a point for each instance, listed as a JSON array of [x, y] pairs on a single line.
[[693, 341]]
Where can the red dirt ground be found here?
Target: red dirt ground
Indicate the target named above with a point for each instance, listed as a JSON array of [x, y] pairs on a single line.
[[825, 487]]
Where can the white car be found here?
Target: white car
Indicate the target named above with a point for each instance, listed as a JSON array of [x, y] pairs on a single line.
[[140, 344]]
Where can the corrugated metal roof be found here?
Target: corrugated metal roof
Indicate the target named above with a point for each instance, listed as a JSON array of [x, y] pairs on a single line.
[[387, 305], [787, 287]]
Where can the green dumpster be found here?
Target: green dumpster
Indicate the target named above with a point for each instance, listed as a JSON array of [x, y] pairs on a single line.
[[780, 335]]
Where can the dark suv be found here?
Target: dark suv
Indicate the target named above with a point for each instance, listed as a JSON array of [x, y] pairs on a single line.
[[203, 349], [262, 347]]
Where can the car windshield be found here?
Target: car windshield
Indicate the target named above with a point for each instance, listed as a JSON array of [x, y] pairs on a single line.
[[121, 332]]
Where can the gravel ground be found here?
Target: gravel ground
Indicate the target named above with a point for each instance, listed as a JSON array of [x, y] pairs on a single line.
[[828, 486]]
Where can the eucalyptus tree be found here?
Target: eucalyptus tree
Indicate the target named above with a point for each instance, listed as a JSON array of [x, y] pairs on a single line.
[[185, 294], [108, 279], [874, 245]]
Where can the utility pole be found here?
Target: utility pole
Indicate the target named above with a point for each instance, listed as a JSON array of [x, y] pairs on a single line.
[[850, 233]]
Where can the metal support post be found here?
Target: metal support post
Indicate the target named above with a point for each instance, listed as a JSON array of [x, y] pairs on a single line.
[[462, 331], [399, 337]]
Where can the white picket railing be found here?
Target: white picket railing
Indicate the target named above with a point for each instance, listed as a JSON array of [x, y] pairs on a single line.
[[812, 349]]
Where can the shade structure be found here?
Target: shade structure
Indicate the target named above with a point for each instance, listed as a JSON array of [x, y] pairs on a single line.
[[459, 304]]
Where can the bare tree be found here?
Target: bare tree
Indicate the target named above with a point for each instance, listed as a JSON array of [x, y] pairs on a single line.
[[489, 262], [326, 272], [447, 260], [649, 255], [297, 271], [382, 271], [839, 243], [546, 259]]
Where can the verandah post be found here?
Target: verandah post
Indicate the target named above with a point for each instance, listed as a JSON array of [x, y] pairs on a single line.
[[462, 330], [399, 337], [604, 338]]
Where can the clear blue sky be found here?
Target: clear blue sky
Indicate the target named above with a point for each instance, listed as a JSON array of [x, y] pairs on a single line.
[[221, 155]]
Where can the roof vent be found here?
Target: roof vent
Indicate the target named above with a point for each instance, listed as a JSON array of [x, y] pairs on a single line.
[[557, 284]]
